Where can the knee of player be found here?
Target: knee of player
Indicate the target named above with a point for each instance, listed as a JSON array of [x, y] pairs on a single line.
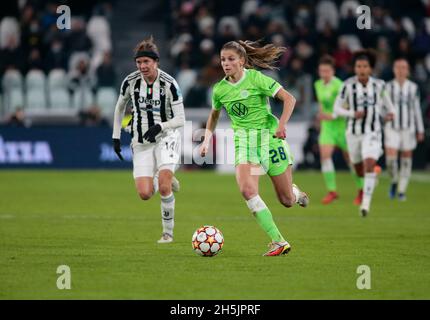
[[165, 189], [145, 194], [248, 191]]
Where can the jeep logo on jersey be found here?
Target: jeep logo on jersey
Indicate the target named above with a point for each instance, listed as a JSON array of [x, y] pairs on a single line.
[[147, 101], [239, 109]]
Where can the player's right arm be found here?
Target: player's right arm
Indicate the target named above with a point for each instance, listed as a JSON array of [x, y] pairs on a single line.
[[123, 98], [339, 106], [211, 124]]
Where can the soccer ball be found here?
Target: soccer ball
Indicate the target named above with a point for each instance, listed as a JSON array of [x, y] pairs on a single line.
[[207, 241]]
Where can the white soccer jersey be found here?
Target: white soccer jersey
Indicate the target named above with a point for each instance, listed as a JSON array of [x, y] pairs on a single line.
[[371, 98], [157, 103], [406, 100]]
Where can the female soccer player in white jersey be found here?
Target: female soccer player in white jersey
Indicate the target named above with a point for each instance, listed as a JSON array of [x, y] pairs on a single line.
[[403, 133], [157, 114], [259, 135], [363, 99]]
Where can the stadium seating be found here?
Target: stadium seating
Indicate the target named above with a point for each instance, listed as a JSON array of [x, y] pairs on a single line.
[[35, 95], [12, 85], [9, 26], [106, 99], [57, 90]]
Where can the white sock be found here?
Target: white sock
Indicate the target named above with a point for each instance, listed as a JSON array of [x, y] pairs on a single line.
[[369, 186], [393, 169], [168, 213], [155, 183], [296, 192], [405, 174], [256, 204], [327, 165]]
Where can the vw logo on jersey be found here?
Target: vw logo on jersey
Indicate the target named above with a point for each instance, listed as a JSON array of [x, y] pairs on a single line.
[[239, 110]]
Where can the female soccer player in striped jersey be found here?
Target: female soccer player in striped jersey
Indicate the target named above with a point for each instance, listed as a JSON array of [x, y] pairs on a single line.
[[157, 113], [405, 131], [332, 133], [362, 100], [259, 135]]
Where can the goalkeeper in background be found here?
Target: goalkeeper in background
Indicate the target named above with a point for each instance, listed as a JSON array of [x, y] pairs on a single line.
[[332, 132]]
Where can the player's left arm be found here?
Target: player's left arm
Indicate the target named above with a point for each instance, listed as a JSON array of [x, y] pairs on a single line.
[[176, 102], [418, 117], [388, 107], [288, 106], [272, 88]]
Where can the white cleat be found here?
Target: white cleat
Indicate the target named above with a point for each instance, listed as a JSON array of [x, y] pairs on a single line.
[[303, 200], [175, 184], [165, 238]]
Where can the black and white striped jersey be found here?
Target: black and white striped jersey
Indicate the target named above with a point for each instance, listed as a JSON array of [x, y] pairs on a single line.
[[406, 100], [370, 98], [157, 103]]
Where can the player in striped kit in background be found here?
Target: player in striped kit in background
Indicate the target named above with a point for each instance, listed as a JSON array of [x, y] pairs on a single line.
[[366, 100], [157, 113], [407, 128]]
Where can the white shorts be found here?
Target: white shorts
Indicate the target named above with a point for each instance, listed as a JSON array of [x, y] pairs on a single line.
[[364, 146], [403, 140], [150, 158]]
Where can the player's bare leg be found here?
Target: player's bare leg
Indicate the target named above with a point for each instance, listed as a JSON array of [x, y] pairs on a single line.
[[369, 185], [288, 193], [359, 180], [329, 173], [359, 171], [392, 169], [247, 178], [144, 187], [404, 174], [167, 205]]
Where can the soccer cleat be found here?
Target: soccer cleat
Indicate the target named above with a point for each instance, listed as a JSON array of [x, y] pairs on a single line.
[[402, 197], [364, 211], [303, 200], [277, 248], [166, 238], [359, 197], [175, 184], [377, 169], [393, 191], [330, 197]]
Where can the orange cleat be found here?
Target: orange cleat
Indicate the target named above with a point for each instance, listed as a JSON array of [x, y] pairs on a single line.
[[359, 197], [278, 248], [377, 169], [330, 197]]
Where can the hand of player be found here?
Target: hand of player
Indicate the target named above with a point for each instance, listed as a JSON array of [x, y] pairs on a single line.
[[280, 133], [152, 132], [324, 116], [204, 148], [359, 114], [116, 143], [389, 117], [420, 137]]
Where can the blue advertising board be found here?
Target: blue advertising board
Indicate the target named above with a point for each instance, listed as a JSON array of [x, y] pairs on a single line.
[[61, 147]]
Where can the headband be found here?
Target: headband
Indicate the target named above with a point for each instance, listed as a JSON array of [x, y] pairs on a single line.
[[149, 54]]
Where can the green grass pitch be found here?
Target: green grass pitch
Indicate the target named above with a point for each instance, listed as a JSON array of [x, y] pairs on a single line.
[[94, 222]]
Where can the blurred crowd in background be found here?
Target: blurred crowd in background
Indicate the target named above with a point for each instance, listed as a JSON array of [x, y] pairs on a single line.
[[309, 29], [45, 69]]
